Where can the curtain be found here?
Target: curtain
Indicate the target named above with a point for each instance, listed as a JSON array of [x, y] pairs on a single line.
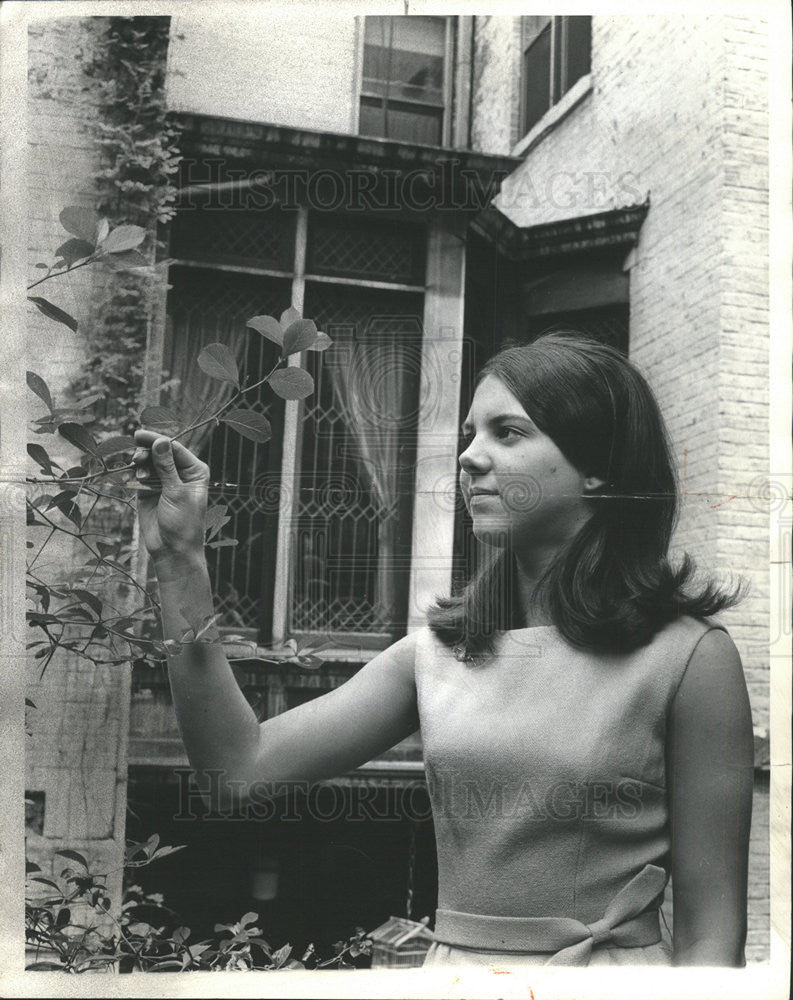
[[199, 395], [369, 393]]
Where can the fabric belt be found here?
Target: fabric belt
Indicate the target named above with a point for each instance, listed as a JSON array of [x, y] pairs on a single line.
[[623, 924]]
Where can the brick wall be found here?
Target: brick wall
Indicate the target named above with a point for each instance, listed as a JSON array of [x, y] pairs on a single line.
[[494, 104], [743, 375], [681, 115], [295, 69], [75, 753]]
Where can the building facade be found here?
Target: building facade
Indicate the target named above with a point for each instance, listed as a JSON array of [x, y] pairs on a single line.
[[427, 189]]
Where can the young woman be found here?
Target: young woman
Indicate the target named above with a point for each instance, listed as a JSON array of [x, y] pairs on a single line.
[[586, 727]]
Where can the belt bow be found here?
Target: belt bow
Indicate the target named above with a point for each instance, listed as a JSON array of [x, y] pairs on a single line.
[[619, 923]]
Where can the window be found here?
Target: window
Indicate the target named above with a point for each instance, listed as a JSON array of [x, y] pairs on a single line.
[[323, 510], [405, 82], [556, 53]]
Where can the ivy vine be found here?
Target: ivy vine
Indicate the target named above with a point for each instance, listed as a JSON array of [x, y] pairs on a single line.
[[134, 182]]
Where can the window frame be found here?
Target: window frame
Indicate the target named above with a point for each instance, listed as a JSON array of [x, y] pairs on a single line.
[[291, 443], [448, 76], [559, 25]]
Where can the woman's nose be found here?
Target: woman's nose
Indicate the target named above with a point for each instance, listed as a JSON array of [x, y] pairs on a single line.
[[473, 458]]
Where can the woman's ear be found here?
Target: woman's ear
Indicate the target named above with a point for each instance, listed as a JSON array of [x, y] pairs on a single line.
[[592, 484]]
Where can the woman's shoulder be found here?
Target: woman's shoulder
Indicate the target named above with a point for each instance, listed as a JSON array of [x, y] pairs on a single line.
[[687, 630], [689, 645]]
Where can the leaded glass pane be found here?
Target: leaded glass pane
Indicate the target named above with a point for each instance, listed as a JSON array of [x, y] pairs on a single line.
[[375, 249], [250, 237]]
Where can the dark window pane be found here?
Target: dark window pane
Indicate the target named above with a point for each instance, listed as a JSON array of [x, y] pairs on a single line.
[[537, 79], [578, 49], [403, 76], [372, 118], [402, 121], [412, 76], [264, 239], [377, 249]]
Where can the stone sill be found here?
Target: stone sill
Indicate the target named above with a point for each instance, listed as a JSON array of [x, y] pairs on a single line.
[[553, 116]]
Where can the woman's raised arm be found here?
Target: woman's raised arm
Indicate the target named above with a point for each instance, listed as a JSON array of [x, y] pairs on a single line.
[[710, 771], [334, 733]]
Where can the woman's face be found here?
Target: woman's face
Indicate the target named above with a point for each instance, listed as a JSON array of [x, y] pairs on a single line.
[[530, 494]]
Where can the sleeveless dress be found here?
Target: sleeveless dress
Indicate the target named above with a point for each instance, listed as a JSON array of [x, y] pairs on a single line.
[[546, 771]]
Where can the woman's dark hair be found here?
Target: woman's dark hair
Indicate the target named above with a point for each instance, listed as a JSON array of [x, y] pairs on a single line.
[[612, 586]]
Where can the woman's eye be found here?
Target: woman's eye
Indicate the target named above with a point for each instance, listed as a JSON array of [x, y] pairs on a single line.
[[507, 431]]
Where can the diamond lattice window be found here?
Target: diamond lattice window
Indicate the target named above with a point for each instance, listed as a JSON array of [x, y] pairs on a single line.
[[374, 249], [354, 504], [264, 239], [208, 307]]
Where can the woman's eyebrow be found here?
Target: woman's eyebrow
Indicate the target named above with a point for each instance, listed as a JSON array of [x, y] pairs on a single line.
[[465, 427]]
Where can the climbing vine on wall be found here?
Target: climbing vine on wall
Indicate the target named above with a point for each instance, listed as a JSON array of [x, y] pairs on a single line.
[[138, 139]]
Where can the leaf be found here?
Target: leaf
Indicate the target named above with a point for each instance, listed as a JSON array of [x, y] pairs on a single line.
[[218, 362], [291, 383], [73, 250], [269, 327], [322, 343], [69, 509], [289, 316], [63, 918], [102, 229], [158, 416], [126, 259], [87, 401], [61, 498], [299, 335], [251, 424], [46, 881], [39, 454], [214, 519], [93, 602], [73, 856], [37, 385], [53, 312], [249, 918], [114, 446], [81, 222], [280, 956], [123, 238], [180, 934], [77, 435]]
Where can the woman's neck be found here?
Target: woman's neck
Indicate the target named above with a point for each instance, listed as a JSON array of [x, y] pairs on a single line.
[[532, 610]]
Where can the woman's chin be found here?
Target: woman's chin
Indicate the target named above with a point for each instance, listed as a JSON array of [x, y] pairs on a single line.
[[494, 531]]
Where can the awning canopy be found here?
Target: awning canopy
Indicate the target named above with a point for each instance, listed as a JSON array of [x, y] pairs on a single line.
[[618, 227], [260, 164]]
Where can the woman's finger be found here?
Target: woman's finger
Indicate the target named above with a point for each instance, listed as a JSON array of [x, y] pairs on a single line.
[[163, 462], [145, 438], [185, 460]]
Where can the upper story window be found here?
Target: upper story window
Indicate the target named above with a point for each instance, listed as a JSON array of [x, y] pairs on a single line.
[[405, 83], [556, 53]]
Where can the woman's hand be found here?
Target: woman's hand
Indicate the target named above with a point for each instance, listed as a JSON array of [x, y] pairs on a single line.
[[172, 505]]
